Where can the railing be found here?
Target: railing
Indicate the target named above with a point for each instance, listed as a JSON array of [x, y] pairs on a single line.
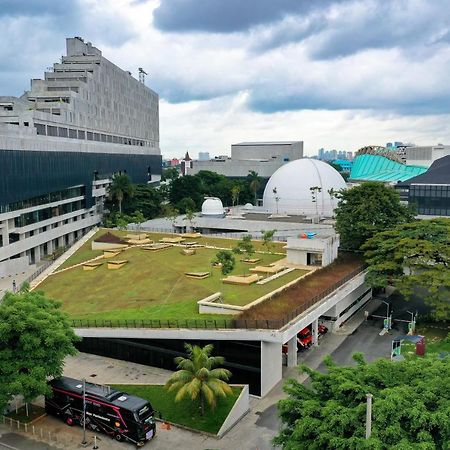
[[236, 235], [36, 273], [217, 324]]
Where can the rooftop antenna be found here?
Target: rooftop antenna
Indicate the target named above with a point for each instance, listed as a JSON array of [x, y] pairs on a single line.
[[142, 74]]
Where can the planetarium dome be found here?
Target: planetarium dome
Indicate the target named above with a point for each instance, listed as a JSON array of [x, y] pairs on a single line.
[[302, 187], [212, 207]]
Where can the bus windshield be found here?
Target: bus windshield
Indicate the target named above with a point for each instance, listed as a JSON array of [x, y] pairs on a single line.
[[144, 414]]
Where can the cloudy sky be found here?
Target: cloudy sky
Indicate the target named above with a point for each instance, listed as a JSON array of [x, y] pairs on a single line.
[[333, 73]]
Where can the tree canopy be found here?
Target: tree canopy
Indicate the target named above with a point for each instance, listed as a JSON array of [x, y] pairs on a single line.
[[365, 210], [35, 337], [415, 257], [245, 246], [411, 401], [226, 260]]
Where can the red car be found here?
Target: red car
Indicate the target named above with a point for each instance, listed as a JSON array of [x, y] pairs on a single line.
[[305, 338]]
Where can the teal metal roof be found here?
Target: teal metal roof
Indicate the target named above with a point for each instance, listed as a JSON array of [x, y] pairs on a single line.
[[378, 168]]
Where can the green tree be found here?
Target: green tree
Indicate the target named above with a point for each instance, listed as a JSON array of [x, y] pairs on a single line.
[[414, 257], [169, 174], [122, 221], [267, 237], [245, 246], [411, 401], [254, 184], [35, 337], [146, 199], [365, 210], [199, 377], [171, 213], [190, 216], [186, 204], [235, 191], [120, 188], [138, 219], [226, 259], [186, 187]]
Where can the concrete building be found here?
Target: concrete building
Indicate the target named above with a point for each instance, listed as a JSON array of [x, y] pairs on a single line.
[[423, 155], [429, 193], [311, 251], [60, 144], [262, 157]]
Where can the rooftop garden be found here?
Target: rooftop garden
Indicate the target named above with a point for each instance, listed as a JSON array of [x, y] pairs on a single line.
[[153, 285]]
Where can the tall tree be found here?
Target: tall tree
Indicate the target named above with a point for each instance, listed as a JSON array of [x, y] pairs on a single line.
[[199, 376], [267, 237], [365, 210], [190, 216], [169, 174], [254, 183], [415, 258], [146, 199], [235, 190], [120, 188], [35, 337], [186, 187], [411, 401]]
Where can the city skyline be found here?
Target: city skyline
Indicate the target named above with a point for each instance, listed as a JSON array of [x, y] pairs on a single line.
[[343, 75]]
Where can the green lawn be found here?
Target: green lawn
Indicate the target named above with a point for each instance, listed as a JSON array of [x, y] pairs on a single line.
[[85, 252], [186, 412], [151, 286], [436, 341]]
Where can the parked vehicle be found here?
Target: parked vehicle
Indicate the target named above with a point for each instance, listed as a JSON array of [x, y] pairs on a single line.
[[304, 338], [123, 417]]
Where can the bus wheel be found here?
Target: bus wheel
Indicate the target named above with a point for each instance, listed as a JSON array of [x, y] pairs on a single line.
[[118, 437], [69, 421]]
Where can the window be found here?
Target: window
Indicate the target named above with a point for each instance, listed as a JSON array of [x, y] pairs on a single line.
[[52, 131], [90, 136], [62, 132], [73, 133], [81, 134], [40, 129]]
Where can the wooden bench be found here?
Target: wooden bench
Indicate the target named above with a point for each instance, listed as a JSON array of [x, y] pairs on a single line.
[[117, 264], [198, 275], [91, 265]]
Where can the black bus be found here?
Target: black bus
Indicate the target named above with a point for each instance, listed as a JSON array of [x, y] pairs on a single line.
[[121, 416]]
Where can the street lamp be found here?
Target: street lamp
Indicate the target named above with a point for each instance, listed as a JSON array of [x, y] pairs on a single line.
[[369, 416], [412, 323], [387, 315]]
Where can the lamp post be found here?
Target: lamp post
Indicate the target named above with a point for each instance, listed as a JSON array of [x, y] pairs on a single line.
[[412, 326], [369, 416], [387, 315], [84, 443]]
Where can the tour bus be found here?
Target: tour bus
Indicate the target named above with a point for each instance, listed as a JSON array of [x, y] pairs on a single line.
[[121, 416]]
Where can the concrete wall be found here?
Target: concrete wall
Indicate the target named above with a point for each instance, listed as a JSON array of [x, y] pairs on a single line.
[[266, 150], [298, 249], [14, 266], [235, 168], [239, 410], [271, 366]]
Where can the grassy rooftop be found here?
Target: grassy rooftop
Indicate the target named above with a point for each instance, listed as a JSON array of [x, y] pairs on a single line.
[[153, 285]]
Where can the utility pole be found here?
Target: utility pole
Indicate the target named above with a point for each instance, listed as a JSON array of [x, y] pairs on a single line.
[[369, 416], [84, 443]]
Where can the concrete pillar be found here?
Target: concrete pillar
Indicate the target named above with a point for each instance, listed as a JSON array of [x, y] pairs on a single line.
[[292, 352], [271, 366], [37, 254], [50, 247], [61, 242], [71, 238], [4, 231], [315, 332]]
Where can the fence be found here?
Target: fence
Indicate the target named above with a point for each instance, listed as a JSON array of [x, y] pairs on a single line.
[[237, 235], [35, 274], [62, 440], [218, 324]]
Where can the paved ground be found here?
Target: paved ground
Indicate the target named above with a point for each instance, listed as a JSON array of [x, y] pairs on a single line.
[[254, 432]]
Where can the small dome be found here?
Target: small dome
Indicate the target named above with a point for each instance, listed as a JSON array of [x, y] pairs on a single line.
[[212, 207], [248, 206], [302, 187]]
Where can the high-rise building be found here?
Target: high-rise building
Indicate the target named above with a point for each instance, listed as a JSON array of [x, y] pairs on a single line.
[[203, 156], [61, 143]]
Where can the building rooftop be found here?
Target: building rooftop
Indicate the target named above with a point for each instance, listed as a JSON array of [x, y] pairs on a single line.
[[268, 143], [438, 173]]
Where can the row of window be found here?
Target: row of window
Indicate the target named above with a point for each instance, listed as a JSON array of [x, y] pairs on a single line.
[[43, 199], [50, 130], [47, 213]]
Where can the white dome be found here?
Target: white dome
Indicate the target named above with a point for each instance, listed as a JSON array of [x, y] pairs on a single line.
[[212, 207], [291, 185], [248, 206]]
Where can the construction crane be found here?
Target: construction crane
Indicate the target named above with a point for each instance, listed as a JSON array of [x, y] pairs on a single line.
[[142, 74]]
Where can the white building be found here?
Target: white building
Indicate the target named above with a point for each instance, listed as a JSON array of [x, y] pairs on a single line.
[[262, 157], [61, 142], [303, 187], [312, 250]]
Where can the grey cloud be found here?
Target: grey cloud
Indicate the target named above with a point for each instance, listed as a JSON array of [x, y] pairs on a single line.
[[228, 16], [16, 8]]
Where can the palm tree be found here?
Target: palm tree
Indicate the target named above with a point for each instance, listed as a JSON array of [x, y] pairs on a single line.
[[120, 187], [235, 191], [255, 183], [199, 376]]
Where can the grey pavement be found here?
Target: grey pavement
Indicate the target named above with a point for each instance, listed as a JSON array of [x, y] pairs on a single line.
[[6, 282]]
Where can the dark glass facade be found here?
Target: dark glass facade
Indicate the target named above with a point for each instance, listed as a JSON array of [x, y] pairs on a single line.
[[430, 200], [28, 175]]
